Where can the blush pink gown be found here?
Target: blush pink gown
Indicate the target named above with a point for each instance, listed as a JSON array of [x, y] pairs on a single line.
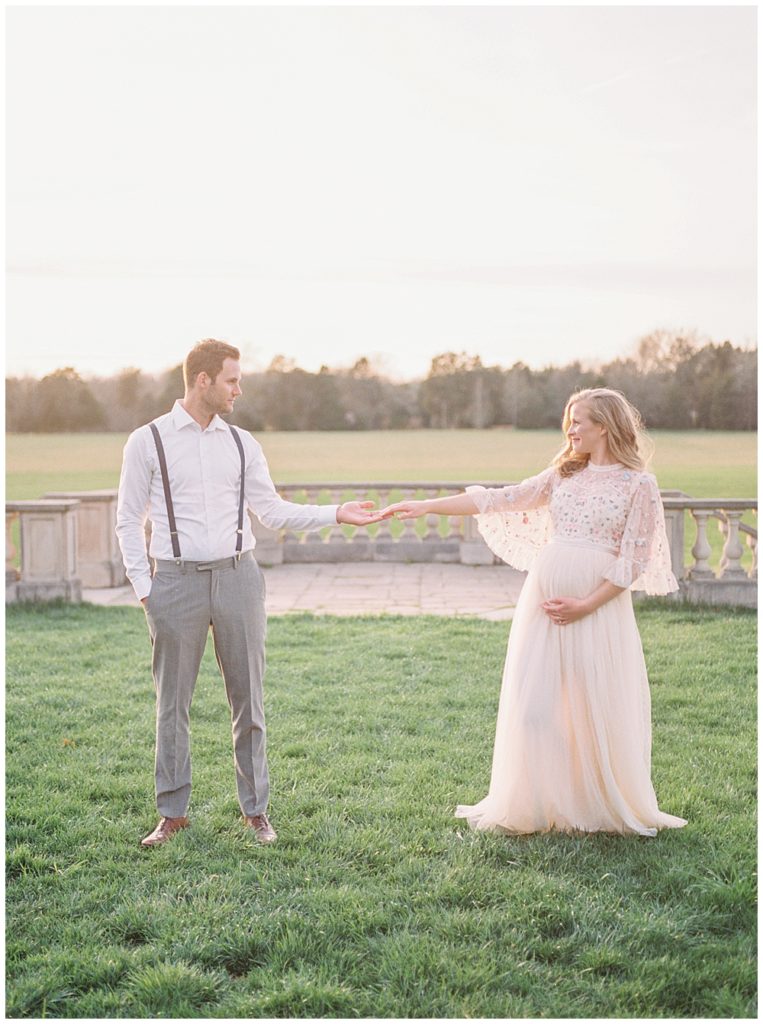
[[573, 737]]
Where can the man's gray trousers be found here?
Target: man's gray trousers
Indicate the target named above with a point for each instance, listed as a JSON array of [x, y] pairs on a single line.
[[186, 599]]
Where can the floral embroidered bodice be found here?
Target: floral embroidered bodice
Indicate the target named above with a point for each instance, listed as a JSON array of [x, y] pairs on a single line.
[[608, 507]]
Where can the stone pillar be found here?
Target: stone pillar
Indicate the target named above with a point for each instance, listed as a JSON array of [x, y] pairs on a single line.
[[473, 549], [732, 549], [48, 550], [99, 560], [12, 574], [675, 527]]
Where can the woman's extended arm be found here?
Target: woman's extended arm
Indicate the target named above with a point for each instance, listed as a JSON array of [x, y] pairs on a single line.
[[477, 500], [453, 505]]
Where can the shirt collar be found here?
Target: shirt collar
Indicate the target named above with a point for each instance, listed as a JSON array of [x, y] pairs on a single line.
[[181, 418]]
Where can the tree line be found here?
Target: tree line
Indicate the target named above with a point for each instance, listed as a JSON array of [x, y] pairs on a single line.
[[677, 382]]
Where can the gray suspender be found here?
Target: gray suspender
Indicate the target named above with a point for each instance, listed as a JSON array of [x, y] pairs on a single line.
[[168, 493], [240, 530]]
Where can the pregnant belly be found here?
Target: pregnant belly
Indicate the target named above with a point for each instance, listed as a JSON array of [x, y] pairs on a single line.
[[570, 569]]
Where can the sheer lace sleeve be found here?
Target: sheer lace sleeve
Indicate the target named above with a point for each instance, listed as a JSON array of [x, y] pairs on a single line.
[[644, 559], [514, 521]]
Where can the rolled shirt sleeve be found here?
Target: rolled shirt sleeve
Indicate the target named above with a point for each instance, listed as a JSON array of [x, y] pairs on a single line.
[[133, 506], [270, 508]]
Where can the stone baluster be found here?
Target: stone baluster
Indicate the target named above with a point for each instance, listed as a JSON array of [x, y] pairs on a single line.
[[432, 532], [701, 551], [311, 497], [336, 533], [384, 532], [290, 537], [723, 529], [674, 526], [752, 543], [732, 549], [409, 534], [360, 534], [432, 521], [12, 574], [456, 523]]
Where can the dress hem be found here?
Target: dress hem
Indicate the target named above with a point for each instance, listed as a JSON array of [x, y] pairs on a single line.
[[475, 823]]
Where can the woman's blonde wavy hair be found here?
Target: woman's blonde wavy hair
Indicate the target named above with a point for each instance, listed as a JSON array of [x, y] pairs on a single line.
[[626, 438]]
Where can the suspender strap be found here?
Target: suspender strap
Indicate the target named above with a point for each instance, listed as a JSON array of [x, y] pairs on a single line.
[[240, 530], [167, 494]]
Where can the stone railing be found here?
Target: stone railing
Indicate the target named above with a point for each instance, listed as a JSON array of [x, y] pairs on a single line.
[[46, 566], [431, 538], [730, 582], [67, 540]]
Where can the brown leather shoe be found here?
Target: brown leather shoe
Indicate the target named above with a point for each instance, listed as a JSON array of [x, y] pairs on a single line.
[[166, 828], [263, 830]]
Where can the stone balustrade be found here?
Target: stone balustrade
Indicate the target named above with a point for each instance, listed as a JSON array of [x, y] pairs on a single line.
[[99, 560], [729, 583], [45, 566], [68, 539], [430, 539]]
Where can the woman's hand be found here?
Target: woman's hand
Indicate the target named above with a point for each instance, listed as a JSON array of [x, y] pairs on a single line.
[[405, 510], [563, 610]]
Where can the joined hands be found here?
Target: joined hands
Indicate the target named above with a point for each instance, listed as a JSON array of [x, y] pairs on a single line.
[[359, 513], [404, 510]]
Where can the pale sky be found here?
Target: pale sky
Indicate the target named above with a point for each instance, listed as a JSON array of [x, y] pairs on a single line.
[[523, 183]]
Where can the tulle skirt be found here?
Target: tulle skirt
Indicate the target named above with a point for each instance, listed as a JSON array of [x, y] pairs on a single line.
[[573, 738]]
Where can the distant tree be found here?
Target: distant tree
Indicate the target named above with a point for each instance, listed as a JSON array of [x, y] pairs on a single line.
[[20, 408], [124, 397], [448, 390], [248, 412], [64, 402], [297, 400], [171, 387], [675, 378]]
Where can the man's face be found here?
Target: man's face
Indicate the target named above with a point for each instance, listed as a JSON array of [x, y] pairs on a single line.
[[221, 394]]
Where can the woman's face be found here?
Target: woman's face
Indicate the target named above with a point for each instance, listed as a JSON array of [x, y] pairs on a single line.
[[584, 435]]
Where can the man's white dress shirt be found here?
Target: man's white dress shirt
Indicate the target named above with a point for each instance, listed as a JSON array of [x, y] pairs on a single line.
[[204, 468]]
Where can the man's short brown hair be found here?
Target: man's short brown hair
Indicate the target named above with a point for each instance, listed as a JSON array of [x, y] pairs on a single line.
[[207, 357]]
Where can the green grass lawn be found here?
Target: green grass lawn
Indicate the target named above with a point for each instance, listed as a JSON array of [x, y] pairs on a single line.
[[702, 463], [375, 902]]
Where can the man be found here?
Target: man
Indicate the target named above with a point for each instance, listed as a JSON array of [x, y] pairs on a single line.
[[184, 473]]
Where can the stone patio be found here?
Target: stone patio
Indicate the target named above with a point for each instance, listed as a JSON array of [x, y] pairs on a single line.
[[373, 588]]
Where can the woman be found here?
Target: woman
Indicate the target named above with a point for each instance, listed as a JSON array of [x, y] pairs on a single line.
[[573, 738]]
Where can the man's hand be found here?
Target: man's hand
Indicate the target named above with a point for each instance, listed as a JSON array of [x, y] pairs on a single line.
[[355, 513]]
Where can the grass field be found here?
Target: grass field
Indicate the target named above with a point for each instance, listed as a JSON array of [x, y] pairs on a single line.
[[375, 902], [702, 464]]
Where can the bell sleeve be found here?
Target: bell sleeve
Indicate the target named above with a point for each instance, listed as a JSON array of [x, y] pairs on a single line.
[[514, 521], [643, 562]]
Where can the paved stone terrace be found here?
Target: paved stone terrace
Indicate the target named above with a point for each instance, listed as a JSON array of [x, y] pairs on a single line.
[[377, 588]]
